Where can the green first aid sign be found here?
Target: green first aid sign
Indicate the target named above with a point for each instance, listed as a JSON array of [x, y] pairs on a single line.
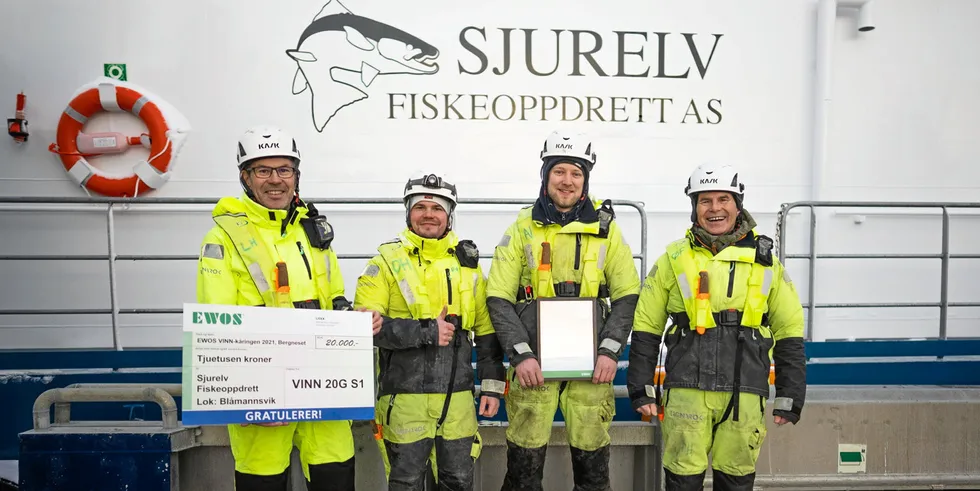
[[115, 70]]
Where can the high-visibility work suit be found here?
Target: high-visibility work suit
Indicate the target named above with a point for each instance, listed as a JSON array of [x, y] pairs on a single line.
[[237, 266], [589, 258], [732, 313], [425, 394]]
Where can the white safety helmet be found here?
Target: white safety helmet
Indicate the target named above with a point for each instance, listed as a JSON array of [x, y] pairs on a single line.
[[561, 146], [266, 141], [714, 177], [430, 188]]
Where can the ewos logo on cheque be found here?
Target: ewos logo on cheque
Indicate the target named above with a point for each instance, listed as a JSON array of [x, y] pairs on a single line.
[[216, 318]]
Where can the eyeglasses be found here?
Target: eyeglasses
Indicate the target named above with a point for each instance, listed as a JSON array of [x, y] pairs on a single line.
[[263, 172]]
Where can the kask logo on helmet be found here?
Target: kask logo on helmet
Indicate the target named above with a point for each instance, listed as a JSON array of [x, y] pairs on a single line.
[[340, 54]]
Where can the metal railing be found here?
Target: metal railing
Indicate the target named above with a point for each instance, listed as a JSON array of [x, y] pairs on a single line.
[[944, 256], [111, 257]]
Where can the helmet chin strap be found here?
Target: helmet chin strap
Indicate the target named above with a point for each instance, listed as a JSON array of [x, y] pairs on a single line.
[[241, 180]]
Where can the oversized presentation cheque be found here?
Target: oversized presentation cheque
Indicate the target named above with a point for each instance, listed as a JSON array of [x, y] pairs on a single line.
[[261, 365]]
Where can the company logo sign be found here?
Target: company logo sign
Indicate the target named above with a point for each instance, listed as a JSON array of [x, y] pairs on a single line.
[[340, 54]]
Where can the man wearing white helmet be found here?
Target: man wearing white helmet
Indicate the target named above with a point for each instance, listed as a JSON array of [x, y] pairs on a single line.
[[733, 309], [588, 258], [266, 234], [429, 287]]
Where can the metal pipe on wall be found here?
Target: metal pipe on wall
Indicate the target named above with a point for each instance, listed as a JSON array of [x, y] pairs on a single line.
[[826, 20], [823, 80], [822, 100]]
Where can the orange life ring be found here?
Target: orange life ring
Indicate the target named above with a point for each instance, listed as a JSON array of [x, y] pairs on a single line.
[[110, 96]]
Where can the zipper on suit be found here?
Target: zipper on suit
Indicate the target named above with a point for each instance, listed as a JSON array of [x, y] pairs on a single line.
[[731, 279], [391, 405], [309, 272], [578, 249], [449, 287]]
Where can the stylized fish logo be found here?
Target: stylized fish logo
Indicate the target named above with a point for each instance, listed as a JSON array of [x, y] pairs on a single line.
[[340, 54]]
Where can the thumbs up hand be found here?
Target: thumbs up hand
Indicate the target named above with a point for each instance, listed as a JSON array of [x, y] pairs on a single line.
[[445, 328]]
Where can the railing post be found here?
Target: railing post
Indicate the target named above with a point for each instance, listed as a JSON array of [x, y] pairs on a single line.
[[808, 336], [113, 300], [944, 287], [643, 241], [638, 206], [780, 232]]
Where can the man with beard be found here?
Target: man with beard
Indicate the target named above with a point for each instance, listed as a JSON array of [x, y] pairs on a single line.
[[267, 234], [588, 259], [429, 287], [733, 308]]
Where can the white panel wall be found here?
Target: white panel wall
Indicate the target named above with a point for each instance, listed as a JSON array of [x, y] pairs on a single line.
[[904, 124], [901, 128]]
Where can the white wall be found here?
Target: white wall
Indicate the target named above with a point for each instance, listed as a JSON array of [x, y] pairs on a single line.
[[902, 128], [899, 130]]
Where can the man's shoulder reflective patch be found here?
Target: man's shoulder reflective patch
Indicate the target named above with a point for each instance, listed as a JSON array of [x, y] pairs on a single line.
[[213, 251], [371, 270], [786, 277], [504, 241]]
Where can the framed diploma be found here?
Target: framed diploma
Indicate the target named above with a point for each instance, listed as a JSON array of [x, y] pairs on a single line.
[[567, 337]]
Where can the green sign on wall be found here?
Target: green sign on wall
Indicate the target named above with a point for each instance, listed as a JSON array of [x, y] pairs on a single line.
[[852, 458], [115, 70]]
